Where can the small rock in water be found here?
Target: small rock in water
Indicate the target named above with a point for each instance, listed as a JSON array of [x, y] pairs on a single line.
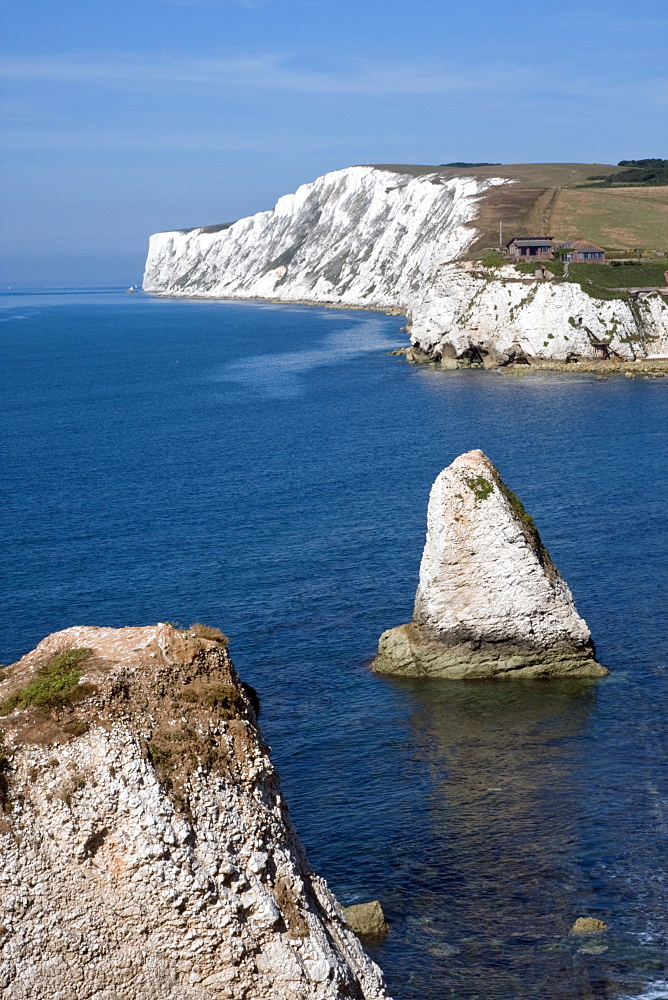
[[589, 925], [593, 949], [366, 919]]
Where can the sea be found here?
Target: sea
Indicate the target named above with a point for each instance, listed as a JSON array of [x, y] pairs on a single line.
[[265, 469]]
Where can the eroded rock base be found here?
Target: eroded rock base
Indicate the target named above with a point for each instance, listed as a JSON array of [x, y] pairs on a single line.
[[411, 652]]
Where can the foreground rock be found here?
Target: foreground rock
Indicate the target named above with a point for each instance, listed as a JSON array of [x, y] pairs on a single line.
[[146, 848], [490, 601], [367, 920]]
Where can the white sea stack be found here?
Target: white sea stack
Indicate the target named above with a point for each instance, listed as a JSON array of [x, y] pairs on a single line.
[[146, 852], [490, 601]]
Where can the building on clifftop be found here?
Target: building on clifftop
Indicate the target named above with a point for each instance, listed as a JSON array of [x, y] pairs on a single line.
[[530, 246], [581, 252]]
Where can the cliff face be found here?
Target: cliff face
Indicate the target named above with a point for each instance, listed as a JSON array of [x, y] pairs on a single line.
[[500, 316], [359, 236], [490, 602], [146, 848], [378, 238]]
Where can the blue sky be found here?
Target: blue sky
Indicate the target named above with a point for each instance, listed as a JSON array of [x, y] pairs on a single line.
[[121, 119]]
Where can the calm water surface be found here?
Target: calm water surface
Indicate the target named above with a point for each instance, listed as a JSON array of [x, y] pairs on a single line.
[[266, 469]]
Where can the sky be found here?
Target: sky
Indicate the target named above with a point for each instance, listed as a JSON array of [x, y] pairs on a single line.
[[119, 119]]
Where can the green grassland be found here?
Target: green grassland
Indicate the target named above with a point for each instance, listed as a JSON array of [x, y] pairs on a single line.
[[615, 218], [631, 274]]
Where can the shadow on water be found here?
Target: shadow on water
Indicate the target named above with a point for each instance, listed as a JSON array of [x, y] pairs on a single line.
[[505, 872]]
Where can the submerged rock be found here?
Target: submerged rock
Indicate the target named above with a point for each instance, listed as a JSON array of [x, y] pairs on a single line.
[[367, 920], [589, 925], [145, 848], [490, 601]]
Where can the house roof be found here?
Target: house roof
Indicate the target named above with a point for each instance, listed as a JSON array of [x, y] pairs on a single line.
[[531, 241], [583, 246]]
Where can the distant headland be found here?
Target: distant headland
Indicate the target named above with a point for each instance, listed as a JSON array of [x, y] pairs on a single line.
[[441, 244]]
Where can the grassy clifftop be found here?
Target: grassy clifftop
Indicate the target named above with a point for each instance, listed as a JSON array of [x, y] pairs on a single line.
[[560, 199]]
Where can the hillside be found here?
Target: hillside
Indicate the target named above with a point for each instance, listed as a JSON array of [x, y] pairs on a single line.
[[560, 199], [353, 236]]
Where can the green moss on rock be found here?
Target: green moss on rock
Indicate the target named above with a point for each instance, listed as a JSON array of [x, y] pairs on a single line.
[[530, 530], [54, 684], [479, 486]]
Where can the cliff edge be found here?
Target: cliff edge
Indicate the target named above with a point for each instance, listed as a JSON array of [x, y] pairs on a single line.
[[490, 601], [146, 848]]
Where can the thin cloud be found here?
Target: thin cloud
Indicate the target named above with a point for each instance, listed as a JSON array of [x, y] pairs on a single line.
[[218, 76], [214, 75], [583, 19], [249, 4], [137, 138], [652, 93]]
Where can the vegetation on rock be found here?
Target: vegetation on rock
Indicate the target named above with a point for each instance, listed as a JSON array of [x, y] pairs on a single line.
[[530, 530], [54, 684], [621, 274], [208, 632], [479, 486]]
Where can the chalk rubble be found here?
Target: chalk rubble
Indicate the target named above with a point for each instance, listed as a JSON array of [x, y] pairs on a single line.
[[490, 601]]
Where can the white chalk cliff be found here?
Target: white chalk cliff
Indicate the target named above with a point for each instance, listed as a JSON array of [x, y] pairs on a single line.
[[372, 237], [499, 316], [490, 601], [146, 851], [355, 236]]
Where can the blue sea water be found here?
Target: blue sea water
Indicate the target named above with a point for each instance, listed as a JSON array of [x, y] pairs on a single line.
[[266, 469]]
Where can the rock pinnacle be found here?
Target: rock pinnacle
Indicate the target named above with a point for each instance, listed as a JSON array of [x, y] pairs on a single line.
[[490, 601]]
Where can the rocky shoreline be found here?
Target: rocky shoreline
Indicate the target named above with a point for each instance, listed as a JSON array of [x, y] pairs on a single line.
[[362, 238], [651, 367], [388, 310]]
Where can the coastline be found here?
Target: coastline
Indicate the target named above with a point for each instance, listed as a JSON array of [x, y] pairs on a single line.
[[389, 310], [221, 470], [602, 368]]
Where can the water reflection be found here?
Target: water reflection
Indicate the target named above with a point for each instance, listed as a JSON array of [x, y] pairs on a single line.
[[507, 865]]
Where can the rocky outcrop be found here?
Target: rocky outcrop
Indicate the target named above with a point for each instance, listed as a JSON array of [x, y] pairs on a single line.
[[379, 238], [495, 317], [146, 848], [490, 601], [589, 925]]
